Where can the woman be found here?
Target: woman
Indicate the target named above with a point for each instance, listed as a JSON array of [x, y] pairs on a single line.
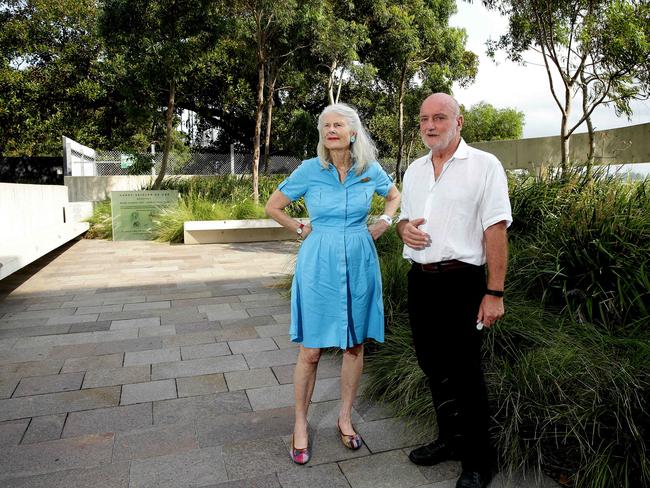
[[336, 296]]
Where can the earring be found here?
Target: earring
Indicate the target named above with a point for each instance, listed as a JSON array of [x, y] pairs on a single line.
[[353, 139]]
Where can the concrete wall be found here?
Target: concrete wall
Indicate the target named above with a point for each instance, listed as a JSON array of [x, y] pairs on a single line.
[[624, 145], [34, 220], [98, 188]]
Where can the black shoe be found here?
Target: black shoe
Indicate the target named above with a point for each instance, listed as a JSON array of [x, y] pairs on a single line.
[[433, 453], [474, 479]]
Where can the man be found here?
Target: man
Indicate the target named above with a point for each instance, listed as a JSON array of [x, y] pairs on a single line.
[[455, 212]]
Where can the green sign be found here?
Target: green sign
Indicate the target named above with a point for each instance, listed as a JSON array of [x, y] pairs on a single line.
[[133, 212], [126, 160]]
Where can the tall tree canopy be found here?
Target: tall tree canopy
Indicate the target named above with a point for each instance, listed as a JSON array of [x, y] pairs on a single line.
[[484, 122], [598, 48]]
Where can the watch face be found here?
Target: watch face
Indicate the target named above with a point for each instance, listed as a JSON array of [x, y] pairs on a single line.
[[299, 231]]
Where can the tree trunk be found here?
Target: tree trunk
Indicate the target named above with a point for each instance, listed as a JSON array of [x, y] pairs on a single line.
[[269, 119], [168, 135], [330, 83], [258, 129], [400, 124], [590, 126], [338, 90], [564, 128]]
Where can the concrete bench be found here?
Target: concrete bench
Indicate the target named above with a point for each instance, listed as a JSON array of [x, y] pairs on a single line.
[[16, 254], [222, 231]]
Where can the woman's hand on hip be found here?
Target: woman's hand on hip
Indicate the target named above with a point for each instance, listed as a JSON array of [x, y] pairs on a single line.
[[377, 229]]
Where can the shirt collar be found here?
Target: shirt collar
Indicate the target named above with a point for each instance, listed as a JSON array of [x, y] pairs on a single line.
[[462, 152]]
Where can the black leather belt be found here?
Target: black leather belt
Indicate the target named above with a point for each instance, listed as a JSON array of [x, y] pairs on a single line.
[[442, 266]]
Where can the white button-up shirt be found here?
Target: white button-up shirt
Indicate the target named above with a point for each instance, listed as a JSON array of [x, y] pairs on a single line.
[[470, 195]]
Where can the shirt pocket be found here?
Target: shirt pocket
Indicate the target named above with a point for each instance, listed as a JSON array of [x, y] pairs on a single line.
[[360, 197]]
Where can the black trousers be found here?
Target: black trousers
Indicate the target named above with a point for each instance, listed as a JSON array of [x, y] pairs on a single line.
[[442, 312]]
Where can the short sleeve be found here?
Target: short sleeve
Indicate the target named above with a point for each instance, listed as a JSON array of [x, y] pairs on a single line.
[[295, 186], [383, 182], [495, 204]]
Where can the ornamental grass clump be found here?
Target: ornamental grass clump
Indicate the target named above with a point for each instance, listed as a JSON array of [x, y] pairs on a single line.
[[568, 367]]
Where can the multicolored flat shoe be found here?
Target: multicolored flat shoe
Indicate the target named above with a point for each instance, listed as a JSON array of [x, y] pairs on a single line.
[[352, 442], [299, 456]]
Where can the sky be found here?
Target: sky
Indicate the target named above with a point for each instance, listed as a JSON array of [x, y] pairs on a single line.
[[505, 84]]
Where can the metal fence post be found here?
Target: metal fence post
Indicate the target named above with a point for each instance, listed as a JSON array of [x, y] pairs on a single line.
[[153, 159], [232, 159]]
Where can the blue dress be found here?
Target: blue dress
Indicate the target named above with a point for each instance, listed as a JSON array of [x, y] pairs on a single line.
[[336, 298]]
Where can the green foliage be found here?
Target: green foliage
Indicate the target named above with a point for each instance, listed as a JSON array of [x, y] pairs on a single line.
[[568, 367], [484, 122], [101, 222]]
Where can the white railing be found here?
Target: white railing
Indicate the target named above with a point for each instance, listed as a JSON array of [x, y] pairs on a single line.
[[78, 160]]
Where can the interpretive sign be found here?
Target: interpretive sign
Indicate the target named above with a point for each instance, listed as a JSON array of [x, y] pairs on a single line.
[[133, 212]]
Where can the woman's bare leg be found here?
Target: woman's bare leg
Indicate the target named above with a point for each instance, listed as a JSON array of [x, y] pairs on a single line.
[[350, 377], [304, 378]]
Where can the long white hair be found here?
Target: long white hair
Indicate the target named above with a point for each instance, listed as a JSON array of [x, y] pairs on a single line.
[[363, 149]]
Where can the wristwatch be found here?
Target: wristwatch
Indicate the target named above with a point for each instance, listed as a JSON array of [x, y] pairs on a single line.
[[386, 219], [299, 230]]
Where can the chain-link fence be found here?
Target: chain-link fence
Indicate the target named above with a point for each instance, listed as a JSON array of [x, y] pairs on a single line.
[[195, 163]]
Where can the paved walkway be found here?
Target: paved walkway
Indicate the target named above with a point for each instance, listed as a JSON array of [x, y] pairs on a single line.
[[138, 364]]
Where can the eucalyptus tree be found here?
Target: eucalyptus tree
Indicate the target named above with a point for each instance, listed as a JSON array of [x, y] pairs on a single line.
[[599, 48], [413, 46], [162, 42], [484, 122]]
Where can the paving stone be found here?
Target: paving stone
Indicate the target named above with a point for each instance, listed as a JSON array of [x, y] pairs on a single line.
[[274, 310], [254, 378], [59, 455], [72, 351], [384, 470], [225, 429], [180, 316], [37, 385], [11, 432], [31, 368], [271, 397], [205, 351], [8, 385], [270, 455], [326, 369], [252, 345], [35, 331], [235, 334], [247, 322], [107, 361], [106, 476], [271, 330], [129, 345], [371, 410], [263, 481], [148, 392], [16, 324], [190, 339], [205, 406], [199, 467], [152, 356], [222, 312], [201, 385], [202, 326], [51, 403], [387, 434], [324, 415], [264, 302], [134, 323], [324, 476], [99, 309], [45, 428], [90, 327], [195, 367], [284, 318], [80, 338], [24, 355], [114, 419], [145, 306], [284, 342], [39, 314], [157, 331], [155, 441], [326, 389], [72, 319], [447, 470], [118, 376], [265, 359], [206, 300]]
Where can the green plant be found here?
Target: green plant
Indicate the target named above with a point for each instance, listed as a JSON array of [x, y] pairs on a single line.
[[101, 222]]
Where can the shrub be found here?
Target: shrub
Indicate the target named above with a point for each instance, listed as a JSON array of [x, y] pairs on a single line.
[[568, 367]]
